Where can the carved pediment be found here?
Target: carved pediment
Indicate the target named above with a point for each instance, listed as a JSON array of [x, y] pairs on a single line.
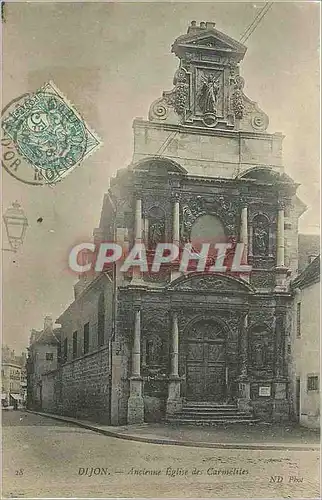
[[210, 283], [206, 37], [208, 89]]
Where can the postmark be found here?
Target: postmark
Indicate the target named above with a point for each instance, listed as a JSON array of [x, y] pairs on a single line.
[[43, 137]]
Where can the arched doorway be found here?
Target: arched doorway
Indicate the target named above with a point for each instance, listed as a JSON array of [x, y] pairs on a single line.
[[206, 361]]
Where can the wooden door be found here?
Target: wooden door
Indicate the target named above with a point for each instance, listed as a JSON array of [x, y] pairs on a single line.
[[206, 367]]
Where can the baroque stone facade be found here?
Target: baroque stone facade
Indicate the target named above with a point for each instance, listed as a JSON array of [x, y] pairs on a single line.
[[205, 156], [203, 166]]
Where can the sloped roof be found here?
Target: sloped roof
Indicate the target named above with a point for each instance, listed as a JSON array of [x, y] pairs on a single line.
[[46, 336], [309, 276], [309, 245]]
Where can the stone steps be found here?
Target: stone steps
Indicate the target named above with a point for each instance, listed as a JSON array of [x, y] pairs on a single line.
[[205, 413], [211, 422]]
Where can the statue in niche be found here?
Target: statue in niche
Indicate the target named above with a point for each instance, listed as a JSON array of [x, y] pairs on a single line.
[[209, 94], [260, 237], [260, 354], [154, 350], [156, 232]]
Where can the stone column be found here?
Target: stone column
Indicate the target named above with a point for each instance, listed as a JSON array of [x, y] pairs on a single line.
[[138, 220], [244, 232], [281, 270], [244, 347], [135, 410], [244, 237], [244, 384], [175, 232], [280, 237], [175, 347], [136, 274], [176, 221], [136, 349], [174, 401]]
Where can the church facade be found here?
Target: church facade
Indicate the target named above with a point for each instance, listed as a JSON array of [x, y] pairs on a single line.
[[204, 169]]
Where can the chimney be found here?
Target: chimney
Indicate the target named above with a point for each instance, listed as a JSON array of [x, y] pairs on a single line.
[[202, 26], [48, 323]]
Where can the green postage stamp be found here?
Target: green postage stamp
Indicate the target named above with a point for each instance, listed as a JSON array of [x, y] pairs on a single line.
[[48, 133]]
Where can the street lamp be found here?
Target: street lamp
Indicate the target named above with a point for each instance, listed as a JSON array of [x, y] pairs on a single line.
[[16, 224]]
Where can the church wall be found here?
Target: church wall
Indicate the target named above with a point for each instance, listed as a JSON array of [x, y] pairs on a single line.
[[85, 387], [266, 365], [82, 384], [212, 154]]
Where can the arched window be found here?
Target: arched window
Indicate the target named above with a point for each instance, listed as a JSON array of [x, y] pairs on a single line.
[[100, 320], [207, 229], [261, 235]]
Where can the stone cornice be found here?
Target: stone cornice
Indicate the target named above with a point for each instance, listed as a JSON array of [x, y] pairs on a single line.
[[190, 129]]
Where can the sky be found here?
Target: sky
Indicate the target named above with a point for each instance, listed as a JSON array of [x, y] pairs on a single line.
[[112, 60]]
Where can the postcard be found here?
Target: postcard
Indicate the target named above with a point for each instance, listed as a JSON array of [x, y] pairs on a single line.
[[160, 250]]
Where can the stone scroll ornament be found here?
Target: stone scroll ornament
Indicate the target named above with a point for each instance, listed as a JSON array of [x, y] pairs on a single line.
[[179, 96], [237, 97], [47, 135]]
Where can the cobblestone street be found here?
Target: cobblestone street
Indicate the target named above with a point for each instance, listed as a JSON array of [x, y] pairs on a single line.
[[46, 458]]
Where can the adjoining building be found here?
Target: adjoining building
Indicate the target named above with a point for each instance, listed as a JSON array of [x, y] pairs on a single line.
[[145, 347], [13, 369], [305, 346], [44, 349]]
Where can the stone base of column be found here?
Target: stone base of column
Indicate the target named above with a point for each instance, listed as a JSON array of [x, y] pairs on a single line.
[[174, 401], [243, 401], [135, 404], [137, 278], [280, 411], [280, 279]]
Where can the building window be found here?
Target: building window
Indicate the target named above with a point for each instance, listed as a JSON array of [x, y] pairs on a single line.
[[298, 319], [101, 320], [86, 338], [313, 383], [75, 344], [49, 356]]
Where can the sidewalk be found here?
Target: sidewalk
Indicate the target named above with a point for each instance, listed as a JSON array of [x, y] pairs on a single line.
[[234, 436]]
